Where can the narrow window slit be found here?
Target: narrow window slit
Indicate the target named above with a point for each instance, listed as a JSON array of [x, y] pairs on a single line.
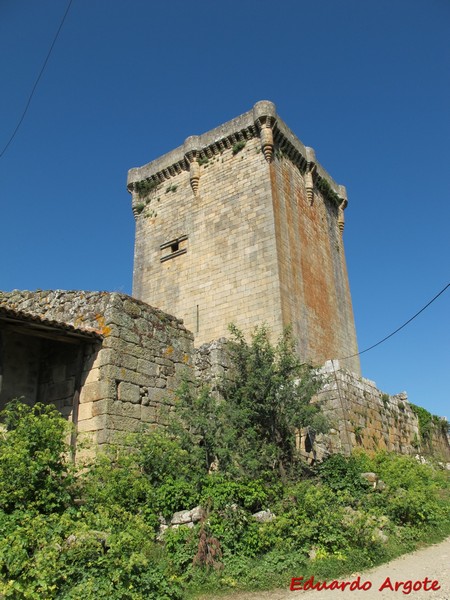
[[173, 248]]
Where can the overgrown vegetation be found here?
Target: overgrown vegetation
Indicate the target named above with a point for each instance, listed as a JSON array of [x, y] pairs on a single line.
[[325, 188], [144, 187], [267, 395], [238, 146], [67, 532], [428, 422]]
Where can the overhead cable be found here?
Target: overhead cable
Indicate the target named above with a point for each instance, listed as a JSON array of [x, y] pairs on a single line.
[[399, 328], [36, 82]]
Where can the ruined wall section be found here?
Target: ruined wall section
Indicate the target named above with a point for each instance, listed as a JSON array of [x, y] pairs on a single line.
[[223, 269], [361, 416], [128, 381], [440, 440]]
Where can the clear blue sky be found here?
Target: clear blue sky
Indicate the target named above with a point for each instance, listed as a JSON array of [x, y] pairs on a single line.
[[365, 83]]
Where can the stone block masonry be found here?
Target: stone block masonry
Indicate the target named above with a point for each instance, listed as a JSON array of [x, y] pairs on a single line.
[[128, 376], [242, 225], [361, 416], [239, 225]]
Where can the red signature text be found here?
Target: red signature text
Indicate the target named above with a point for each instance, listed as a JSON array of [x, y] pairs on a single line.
[[406, 587]]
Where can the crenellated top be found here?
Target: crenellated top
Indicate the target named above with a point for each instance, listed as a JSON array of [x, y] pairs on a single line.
[[262, 120]]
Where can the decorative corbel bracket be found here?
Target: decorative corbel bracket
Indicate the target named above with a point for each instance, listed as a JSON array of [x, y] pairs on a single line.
[[265, 117], [192, 152], [342, 207], [309, 175]]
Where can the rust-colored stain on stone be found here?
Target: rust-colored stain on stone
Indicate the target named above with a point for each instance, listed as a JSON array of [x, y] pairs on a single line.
[[285, 312], [317, 275], [305, 264], [257, 251]]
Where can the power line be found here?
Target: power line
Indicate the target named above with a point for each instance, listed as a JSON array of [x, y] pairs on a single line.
[[401, 326], [36, 82]]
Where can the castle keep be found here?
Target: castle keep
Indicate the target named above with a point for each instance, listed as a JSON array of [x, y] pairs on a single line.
[[243, 225]]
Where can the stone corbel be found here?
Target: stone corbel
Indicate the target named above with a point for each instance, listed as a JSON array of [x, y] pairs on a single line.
[[267, 142], [194, 175], [309, 179], [342, 207], [192, 151], [264, 114]]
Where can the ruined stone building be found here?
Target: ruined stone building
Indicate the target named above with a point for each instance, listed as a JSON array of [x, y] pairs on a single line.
[[240, 224]]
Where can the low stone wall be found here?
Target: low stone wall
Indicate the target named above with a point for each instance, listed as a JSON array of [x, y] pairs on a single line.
[[362, 416]]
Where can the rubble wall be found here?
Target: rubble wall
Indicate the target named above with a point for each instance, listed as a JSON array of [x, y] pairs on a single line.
[[362, 416]]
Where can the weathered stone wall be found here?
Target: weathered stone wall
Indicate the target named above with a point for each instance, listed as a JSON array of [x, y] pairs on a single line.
[[440, 442], [129, 379], [361, 416], [315, 296], [229, 270], [232, 227], [212, 363]]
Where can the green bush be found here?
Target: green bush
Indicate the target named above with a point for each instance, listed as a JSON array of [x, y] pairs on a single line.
[[52, 548], [50, 557], [343, 475], [175, 495], [162, 456], [219, 491], [34, 468], [267, 398], [417, 494], [115, 480]]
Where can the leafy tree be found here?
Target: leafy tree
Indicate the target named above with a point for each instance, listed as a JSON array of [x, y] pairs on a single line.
[[266, 399], [269, 397]]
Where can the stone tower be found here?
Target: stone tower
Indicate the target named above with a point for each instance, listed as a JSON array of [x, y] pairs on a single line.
[[243, 225]]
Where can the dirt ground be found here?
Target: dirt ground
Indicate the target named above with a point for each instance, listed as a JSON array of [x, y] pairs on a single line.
[[432, 563]]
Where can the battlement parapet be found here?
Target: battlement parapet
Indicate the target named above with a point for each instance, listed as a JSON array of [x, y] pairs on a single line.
[[262, 120]]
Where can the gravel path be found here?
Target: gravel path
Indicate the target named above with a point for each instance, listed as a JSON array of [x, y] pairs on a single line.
[[432, 563]]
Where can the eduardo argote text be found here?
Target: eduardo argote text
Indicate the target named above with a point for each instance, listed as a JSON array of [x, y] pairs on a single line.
[[405, 587]]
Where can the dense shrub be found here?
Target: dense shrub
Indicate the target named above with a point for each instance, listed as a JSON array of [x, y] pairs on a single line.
[[343, 475], [267, 398], [50, 556], [34, 466]]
